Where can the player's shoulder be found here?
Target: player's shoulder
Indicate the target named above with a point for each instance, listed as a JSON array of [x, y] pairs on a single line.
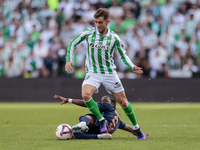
[[89, 30], [114, 35]]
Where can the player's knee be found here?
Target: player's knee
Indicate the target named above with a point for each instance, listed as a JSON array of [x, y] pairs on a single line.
[[86, 96], [123, 103]]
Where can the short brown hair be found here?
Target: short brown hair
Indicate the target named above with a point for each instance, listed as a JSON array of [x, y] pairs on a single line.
[[102, 12]]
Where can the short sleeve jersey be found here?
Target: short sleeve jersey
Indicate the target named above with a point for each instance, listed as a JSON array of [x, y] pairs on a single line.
[[100, 49], [111, 115]]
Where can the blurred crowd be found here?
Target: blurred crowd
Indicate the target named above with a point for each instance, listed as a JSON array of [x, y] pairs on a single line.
[[159, 35]]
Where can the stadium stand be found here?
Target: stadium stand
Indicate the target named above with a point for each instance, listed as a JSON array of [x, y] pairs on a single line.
[[162, 36]]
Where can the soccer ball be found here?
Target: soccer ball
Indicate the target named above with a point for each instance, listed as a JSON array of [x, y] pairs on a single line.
[[63, 132]]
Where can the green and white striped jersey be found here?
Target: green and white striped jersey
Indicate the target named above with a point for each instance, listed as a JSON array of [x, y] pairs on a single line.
[[100, 49]]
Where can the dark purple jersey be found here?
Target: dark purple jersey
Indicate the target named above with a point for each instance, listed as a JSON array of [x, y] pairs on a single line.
[[110, 113]]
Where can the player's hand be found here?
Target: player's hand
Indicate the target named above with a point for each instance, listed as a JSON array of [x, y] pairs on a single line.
[[68, 66], [137, 70], [64, 100]]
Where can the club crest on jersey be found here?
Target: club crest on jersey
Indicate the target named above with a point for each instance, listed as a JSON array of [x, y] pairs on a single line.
[[109, 39], [92, 45]]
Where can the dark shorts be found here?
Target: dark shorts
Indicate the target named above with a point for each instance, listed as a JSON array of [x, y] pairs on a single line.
[[93, 129]]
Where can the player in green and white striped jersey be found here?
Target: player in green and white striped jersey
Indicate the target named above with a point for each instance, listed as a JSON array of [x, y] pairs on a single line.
[[100, 67], [100, 51]]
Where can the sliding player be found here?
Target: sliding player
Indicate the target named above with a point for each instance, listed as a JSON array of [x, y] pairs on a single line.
[[89, 124]]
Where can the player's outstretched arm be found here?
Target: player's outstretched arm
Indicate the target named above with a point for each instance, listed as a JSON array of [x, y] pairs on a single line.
[[137, 70], [64, 100]]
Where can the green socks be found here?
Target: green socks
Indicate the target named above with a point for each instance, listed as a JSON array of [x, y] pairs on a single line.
[[130, 114], [92, 105]]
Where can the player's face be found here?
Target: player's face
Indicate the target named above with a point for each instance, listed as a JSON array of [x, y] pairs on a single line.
[[106, 99], [101, 24]]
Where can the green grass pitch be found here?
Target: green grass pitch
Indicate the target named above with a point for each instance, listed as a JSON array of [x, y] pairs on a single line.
[[31, 126]]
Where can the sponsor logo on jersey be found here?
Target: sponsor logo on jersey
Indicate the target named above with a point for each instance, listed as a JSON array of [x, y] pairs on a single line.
[[122, 45], [117, 85], [92, 45]]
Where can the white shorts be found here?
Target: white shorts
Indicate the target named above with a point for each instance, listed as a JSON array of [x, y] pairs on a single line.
[[112, 83]]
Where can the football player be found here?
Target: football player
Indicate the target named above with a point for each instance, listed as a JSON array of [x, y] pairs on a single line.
[[89, 126]]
